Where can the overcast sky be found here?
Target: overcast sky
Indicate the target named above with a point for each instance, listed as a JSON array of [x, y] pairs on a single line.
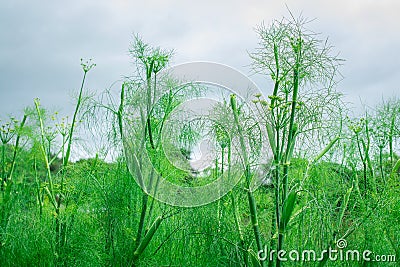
[[42, 42]]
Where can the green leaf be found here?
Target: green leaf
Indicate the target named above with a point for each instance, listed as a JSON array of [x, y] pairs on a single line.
[[288, 207], [233, 103], [271, 137], [396, 167], [327, 148], [148, 237], [255, 262], [343, 207]]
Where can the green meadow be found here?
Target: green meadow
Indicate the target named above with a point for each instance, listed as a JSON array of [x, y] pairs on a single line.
[[310, 183]]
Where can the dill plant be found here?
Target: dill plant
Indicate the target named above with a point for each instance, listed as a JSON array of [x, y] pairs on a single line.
[[296, 61]]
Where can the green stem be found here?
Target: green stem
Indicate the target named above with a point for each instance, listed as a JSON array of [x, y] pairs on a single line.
[[145, 199], [3, 164], [391, 132], [39, 198], [247, 173], [381, 164], [149, 105], [147, 238], [292, 131], [71, 130], [236, 211], [367, 157], [239, 229], [219, 209], [16, 146], [50, 192], [288, 153], [121, 111]]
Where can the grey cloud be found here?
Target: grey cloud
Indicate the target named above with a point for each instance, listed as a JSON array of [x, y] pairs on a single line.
[[41, 44]]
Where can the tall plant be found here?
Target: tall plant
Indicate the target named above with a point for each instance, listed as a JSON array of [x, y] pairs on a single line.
[[142, 113], [56, 192], [247, 176], [297, 62]]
